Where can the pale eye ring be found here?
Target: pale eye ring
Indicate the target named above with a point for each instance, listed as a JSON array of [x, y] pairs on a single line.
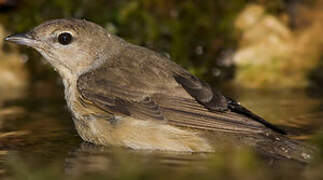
[[65, 38]]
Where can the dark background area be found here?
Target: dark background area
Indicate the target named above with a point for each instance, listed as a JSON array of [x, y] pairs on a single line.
[[198, 35]]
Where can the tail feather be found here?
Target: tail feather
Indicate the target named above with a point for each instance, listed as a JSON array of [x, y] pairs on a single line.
[[236, 107]]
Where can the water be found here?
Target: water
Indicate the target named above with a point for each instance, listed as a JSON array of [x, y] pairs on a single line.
[[38, 133]]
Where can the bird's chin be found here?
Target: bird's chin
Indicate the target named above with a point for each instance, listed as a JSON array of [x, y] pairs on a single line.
[[23, 39]]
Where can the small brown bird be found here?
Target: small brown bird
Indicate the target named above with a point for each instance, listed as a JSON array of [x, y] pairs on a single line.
[[125, 95]]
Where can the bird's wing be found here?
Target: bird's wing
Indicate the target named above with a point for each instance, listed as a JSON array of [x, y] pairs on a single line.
[[143, 86], [202, 92], [213, 100]]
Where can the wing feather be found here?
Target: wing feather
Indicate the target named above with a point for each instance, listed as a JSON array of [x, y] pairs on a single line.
[[147, 86]]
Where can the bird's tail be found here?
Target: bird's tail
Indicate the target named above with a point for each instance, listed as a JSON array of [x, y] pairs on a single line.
[[236, 107]]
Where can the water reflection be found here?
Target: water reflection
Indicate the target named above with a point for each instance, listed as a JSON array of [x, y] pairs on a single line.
[[89, 158], [294, 110], [39, 132]]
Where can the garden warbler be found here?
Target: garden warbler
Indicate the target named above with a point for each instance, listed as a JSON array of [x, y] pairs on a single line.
[[125, 95]]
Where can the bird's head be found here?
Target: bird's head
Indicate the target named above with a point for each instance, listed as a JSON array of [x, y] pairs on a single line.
[[70, 45]]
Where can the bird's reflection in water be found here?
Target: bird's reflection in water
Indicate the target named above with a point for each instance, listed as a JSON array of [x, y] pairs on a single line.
[[90, 158]]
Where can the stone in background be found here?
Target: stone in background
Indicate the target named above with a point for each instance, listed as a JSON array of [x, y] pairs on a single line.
[[14, 75], [271, 55]]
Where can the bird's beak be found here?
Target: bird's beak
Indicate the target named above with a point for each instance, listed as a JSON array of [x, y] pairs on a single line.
[[23, 39]]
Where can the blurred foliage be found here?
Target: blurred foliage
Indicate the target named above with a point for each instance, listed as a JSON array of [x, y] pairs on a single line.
[[194, 33]]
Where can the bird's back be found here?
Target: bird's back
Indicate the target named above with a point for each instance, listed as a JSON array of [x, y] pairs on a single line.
[[141, 84]]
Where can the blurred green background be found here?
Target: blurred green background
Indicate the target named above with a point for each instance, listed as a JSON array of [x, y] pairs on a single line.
[[216, 40]]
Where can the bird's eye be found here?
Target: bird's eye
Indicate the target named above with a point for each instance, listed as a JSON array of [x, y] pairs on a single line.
[[65, 38]]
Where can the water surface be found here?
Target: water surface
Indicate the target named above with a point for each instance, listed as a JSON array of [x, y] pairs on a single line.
[[38, 133]]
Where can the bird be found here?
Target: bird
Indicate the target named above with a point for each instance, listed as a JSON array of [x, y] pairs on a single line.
[[125, 95]]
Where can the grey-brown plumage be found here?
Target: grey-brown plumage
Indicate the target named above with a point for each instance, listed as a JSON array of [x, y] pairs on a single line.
[[125, 95]]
